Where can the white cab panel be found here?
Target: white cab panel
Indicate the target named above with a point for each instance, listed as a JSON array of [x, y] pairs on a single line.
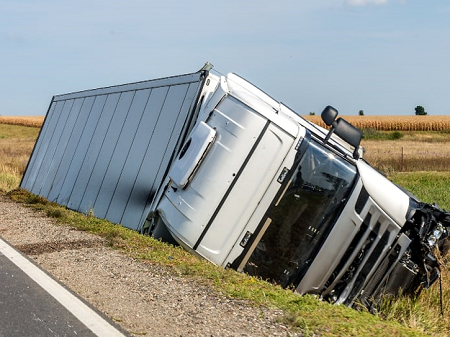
[[388, 196], [186, 212]]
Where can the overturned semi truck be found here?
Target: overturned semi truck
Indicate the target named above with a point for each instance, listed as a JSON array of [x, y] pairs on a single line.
[[238, 178]]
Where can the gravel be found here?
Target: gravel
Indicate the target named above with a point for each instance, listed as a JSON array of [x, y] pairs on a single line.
[[144, 299]]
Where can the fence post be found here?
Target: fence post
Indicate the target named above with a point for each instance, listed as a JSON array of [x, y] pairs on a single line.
[[402, 159]]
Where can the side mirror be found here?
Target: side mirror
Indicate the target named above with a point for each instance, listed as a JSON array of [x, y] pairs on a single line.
[[348, 133], [329, 114], [342, 128]]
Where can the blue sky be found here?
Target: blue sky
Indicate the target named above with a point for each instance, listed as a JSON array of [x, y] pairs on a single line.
[[384, 57]]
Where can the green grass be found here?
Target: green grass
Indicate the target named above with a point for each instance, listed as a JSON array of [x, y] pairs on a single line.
[[374, 134], [430, 187], [18, 132], [421, 136]]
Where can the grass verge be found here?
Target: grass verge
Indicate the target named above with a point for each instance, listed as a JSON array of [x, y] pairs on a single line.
[[305, 313], [430, 187]]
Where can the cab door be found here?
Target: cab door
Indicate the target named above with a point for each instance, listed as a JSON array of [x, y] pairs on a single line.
[[236, 214]]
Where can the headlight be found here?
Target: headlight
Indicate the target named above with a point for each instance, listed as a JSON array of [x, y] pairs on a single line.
[[435, 234]]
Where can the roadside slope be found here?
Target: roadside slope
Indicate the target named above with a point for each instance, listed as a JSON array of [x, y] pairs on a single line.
[[144, 299]]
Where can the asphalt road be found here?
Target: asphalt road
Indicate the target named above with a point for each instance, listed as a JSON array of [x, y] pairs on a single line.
[[34, 304]]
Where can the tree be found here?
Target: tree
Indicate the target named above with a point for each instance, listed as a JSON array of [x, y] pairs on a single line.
[[361, 112], [420, 111]]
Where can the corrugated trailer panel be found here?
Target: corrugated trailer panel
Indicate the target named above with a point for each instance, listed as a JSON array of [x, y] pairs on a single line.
[[79, 156], [108, 150], [69, 161], [86, 188]]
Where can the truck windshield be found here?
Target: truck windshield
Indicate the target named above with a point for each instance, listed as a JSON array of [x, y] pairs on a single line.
[[301, 219]]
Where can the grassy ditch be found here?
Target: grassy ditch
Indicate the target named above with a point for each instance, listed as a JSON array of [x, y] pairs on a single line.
[[306, 313], [425, 311]]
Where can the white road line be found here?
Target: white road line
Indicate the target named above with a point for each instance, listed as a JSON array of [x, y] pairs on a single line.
[[86, 315]]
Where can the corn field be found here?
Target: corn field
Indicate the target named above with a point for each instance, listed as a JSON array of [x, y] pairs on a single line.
[[394, 123], [33, 121], [380, 123]]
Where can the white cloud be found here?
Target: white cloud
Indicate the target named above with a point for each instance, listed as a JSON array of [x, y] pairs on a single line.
[[366, 2]]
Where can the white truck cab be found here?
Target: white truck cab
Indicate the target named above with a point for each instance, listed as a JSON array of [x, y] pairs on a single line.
[[277, 197]]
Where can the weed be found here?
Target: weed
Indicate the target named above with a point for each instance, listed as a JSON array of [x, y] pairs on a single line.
[[90, 212], [374, 134], [112, 237], [8, 181], [371, 134], [54, 213], [396, 135]]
